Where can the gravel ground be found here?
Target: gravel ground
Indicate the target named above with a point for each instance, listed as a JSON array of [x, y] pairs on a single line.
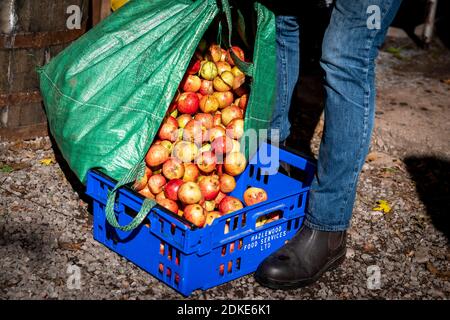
[[45, 226]]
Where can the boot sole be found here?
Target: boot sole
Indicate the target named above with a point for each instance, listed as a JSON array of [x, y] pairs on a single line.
[[289, 285]]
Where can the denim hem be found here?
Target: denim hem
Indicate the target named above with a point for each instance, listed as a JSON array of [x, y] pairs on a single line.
[[337, 228]]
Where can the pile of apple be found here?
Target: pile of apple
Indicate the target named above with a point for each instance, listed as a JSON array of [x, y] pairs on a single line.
[[192, 164]]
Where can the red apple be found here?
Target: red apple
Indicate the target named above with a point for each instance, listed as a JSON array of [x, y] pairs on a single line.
[[236, 102], [210, 216], [227, 183], [215, 52], [206, 119], [230, 113], [206, 87], [172, 121], [237, 72], [217, 119], [191, 172], [230, 204], [188, 102], [183, 120], [189, 193], [210, 187], [140, 183], [224, 81], [148, 172], [160, 196], [169, 129], [238, 52], [147, 193], [222, 145], [219, 198], [236, 146], [156, 155], [194, 66], [224, 55], [173, 168], [167, 144], [209, 104], [235, 163], [185, 151], [171, 189], [191, 83], [168, 204], [208, 70], [219, 169], [195, 214], [194, 131], [209, 205], [156, 183], [235, 129], [222, 66], [238, 81], [254, 195], [224, 98], [243, 100], [206, 161], [215, 132]]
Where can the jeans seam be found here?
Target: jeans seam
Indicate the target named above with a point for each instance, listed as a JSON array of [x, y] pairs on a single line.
[[353, 182], [369, 46]]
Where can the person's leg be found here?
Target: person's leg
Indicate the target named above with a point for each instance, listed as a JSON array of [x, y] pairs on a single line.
[[350, 47], [349, 51], [288, 65]]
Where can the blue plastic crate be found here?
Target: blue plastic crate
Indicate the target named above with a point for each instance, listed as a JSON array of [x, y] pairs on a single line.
[[188, 258]]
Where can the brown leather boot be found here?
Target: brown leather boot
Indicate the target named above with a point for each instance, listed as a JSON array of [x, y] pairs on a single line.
[[303, 259]]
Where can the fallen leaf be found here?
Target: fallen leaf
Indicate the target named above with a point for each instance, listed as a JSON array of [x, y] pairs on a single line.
[[383, 206], [390, 170], [47, 161], [396, 52], [446, 81], [70, 246]]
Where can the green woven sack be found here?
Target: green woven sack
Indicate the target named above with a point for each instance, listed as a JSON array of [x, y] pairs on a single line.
[[106, 95]]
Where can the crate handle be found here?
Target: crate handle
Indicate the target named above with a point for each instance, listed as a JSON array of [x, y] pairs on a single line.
[[259, 214], [135, 172]]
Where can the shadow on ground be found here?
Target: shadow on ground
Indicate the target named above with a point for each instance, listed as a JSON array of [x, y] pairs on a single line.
[[68, 173], [432, 176]]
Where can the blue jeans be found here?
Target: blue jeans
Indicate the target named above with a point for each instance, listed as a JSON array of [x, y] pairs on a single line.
[[348, 57]]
